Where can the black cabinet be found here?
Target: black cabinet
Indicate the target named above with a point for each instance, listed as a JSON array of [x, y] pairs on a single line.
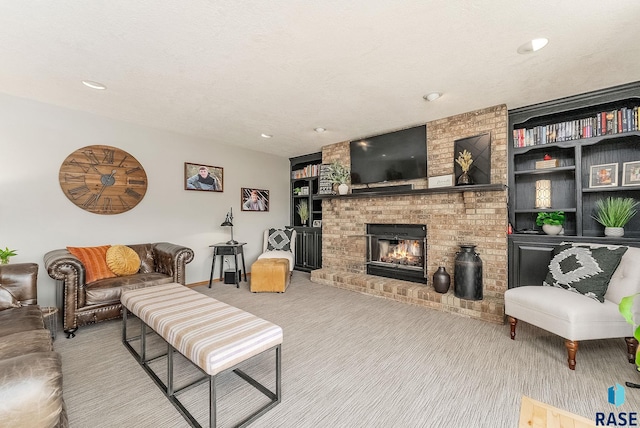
[[304, 186], [308, 248], [582, 135]]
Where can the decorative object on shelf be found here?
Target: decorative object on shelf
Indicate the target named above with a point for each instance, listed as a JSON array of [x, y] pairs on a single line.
[[203, 177], [547, 162], [317, 223], [479, 149], [605, 175], [551, 222], [296, 191], [303, 211], [543, 194], [441, 279], [228, 221], [441, 181], [467, 277], [464, 160], [304, 190], [325, 186], [339, 174], [631, 173], [103, 179], [254, 199], [6, 254], [614, 214]]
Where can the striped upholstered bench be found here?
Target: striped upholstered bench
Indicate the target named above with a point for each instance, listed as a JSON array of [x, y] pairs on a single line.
[[214, 336]]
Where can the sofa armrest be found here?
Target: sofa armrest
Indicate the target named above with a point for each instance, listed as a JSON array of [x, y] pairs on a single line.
[[63, 266], [171, 260], [21, 280]]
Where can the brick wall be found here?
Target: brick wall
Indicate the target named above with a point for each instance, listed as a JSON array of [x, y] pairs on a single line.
[[477, 217]]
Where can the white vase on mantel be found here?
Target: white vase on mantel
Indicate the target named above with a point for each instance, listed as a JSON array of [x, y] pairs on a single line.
[[343, 189], [614, 231]]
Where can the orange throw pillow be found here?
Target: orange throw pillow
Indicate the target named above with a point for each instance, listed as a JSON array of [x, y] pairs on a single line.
[[94, 260]]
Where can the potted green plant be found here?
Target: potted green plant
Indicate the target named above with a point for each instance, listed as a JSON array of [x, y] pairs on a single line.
[[339, 174], [5, 254], [614, 214], [626, 309], [303, 211], [551, 221]]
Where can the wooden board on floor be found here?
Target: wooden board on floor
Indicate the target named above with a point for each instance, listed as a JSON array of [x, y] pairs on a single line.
[[534, 414]]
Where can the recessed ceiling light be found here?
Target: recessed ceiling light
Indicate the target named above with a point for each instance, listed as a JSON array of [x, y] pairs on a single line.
[[532, 46], [94, 85], [432, 96], [266, 135], [319, 130]]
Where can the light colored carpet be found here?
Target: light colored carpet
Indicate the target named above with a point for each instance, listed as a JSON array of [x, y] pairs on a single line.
[[353, 360]]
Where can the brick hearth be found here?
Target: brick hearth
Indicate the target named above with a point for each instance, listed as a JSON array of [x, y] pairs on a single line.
[[477, 217]]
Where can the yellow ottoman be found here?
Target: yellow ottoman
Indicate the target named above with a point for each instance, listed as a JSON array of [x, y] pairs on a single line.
[[270, 275]]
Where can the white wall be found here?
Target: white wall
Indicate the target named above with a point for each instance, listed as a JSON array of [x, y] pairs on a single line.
[[36, 217]]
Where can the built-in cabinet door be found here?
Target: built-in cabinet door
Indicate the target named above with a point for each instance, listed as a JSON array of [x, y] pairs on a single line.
[[308, 248], [528, 261]]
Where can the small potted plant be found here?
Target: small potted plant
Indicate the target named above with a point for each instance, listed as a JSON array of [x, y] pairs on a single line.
[[339, 174], [614, 214], [5, 254], [626, 309], [551, 222], [303, 211]]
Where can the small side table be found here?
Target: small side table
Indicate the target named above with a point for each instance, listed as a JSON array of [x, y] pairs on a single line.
[[50, 315], [225, 249]]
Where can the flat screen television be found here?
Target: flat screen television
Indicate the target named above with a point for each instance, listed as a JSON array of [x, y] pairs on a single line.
[[399, 155]]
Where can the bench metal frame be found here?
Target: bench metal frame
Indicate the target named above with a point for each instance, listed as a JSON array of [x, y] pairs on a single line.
[[172, 393]]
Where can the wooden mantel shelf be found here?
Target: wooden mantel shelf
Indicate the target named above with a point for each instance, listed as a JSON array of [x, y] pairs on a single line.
[[451, 189]]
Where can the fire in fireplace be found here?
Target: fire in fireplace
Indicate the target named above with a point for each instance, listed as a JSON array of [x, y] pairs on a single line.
[[397, 251]]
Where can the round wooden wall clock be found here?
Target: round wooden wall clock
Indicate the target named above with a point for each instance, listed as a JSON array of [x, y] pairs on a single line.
[[103, 179]]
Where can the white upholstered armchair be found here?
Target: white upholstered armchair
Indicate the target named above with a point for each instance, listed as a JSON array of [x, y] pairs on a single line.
[[574, 316], [279, 244]]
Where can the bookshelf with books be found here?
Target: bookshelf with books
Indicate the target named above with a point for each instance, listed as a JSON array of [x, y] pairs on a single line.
[[305, 183], [568, 142]]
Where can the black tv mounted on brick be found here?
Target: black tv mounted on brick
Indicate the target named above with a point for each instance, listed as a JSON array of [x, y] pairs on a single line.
[[399, 155]]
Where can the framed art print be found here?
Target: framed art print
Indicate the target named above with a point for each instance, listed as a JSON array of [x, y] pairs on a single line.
[[203, 177], [631, 173], [254, 199], [317, 223], [605, 175]]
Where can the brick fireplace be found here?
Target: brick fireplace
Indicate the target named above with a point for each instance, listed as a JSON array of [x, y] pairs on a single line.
[[449, 217]]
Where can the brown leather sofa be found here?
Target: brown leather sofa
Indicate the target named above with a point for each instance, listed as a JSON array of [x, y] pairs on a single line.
[[82, 303], [30, 371]]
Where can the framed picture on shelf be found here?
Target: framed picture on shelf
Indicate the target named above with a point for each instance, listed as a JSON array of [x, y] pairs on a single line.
[[254, 199], [631, 173], [203, 177], [304, 190], [317, 223], [605, 175]]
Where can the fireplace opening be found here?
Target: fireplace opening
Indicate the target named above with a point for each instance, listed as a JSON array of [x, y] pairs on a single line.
[[397, 251]]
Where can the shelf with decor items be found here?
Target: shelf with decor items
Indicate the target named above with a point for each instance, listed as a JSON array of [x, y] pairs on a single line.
[[305, 183], [572, 152]]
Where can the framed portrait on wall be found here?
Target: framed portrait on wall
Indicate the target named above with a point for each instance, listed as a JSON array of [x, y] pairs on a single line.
[[631, 173], [254, 199], [604, 175], [203, 177]]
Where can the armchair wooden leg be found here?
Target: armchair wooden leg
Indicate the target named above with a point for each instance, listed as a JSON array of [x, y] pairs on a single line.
[[572, 348], [513, 323], [632, 348]]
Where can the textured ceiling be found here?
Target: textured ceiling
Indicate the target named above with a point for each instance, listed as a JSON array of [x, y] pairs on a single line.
[[229, 71]]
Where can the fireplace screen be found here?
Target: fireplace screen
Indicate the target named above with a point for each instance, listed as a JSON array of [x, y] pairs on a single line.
[[397, 251]]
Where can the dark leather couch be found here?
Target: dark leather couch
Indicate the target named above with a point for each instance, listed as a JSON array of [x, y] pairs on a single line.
[[30, 371], [82, 303]]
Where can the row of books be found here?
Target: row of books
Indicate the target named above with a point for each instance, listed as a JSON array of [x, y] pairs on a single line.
[[311, 170], [605, 123]]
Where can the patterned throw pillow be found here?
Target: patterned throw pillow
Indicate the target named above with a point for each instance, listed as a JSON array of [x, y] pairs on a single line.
[[122, 260], [94, 260], [7, 299], [279, 240], [584, 270]]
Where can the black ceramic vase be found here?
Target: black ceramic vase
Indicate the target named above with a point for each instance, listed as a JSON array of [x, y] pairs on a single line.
[[441, 280], [464, 179], [467, 281]]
